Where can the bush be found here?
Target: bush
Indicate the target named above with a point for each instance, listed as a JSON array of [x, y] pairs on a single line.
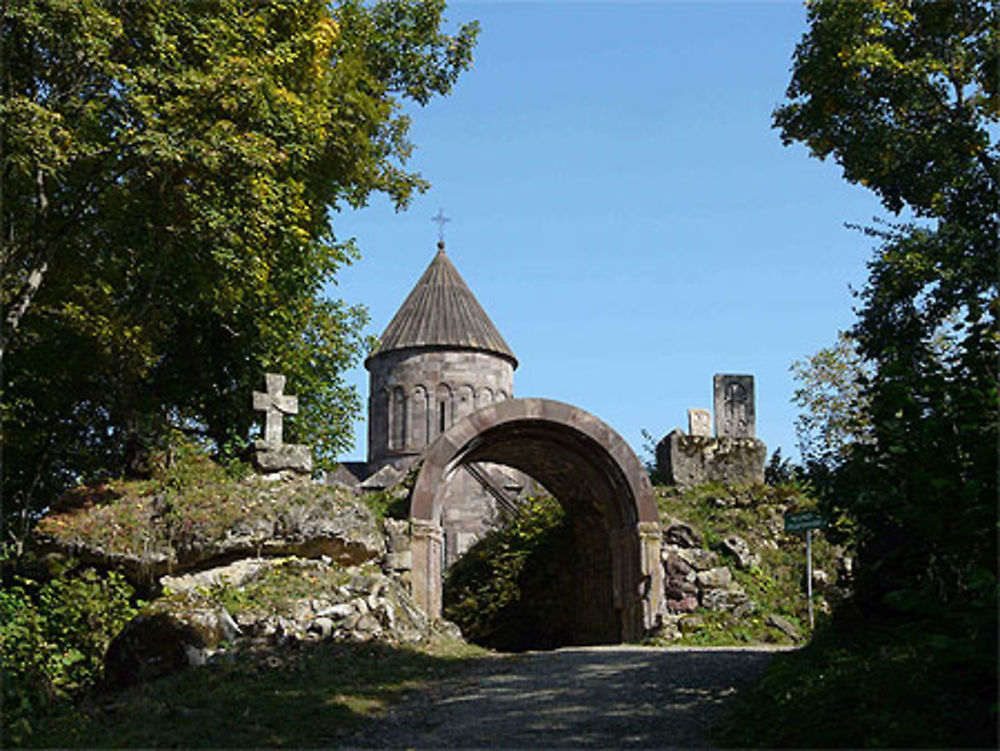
[[504, 592], [876, 684], [53, 637]]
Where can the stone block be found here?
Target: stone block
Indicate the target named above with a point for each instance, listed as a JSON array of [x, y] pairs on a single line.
[[681, 534], [402, 561], [715, 578], [699, 559], [700, 422], [322, 627], [740, 550], [678, 589], [337, 611], [683, 605], [673, 563], [723, 599], [397, 532], [294, 457]]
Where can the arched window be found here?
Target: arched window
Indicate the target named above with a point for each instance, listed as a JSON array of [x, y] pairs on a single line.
[[397, 420], [419, 429], [465, 401], [484, 398], [378, 429], [443, 415]]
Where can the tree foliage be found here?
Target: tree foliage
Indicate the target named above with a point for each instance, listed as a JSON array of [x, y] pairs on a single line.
[[169, 170], [904, 97], [904, 409], [901, 95], [831, 396]]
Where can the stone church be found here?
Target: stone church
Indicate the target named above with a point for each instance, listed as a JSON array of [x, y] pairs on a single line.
[[439, 359]]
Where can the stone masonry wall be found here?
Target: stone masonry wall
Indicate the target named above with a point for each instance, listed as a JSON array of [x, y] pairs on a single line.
[[689, 460], [416, 394]]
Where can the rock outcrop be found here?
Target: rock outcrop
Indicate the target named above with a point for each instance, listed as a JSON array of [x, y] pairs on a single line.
[[168, 636], [732, 572], [254, 518], [240, 564]]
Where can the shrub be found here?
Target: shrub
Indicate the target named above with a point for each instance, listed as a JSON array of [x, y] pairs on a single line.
[[913, 685], [52, 640], [499, 593]]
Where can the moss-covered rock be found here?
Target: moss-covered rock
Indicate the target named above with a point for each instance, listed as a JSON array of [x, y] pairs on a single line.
[[204, 517]]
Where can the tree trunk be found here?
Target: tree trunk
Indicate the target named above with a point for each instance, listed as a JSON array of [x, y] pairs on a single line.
[[42, 259]]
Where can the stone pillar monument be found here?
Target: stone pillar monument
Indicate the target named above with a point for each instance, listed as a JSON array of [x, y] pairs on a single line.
[[734, 406]]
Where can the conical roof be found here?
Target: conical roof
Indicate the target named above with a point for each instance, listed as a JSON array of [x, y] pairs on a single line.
[[442, 312]]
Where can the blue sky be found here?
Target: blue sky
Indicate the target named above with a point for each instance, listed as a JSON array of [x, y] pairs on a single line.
[[624, 211]]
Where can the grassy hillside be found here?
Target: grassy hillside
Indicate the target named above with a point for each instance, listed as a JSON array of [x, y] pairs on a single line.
[[776, 584]]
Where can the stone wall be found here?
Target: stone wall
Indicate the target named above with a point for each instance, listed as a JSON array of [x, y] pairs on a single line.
[[689, 460], [417, 394]]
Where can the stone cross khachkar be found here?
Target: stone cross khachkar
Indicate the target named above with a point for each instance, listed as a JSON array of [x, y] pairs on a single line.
[[734, 406], [272, 455], [275, 405]]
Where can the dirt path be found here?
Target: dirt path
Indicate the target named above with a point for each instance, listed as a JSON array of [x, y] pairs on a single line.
[[589, 697]]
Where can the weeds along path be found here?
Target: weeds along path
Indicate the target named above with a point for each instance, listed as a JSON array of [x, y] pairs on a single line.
[[590, 697]]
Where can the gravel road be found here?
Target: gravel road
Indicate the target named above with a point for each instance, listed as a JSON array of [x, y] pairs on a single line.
[[585, 697]]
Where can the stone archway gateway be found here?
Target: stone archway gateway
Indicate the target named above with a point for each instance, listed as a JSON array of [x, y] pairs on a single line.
[[597, 478]]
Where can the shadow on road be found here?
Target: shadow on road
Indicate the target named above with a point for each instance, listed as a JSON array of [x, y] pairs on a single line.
[[595, 697]]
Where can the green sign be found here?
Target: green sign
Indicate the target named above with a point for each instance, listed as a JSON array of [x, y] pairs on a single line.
[[802, 521]]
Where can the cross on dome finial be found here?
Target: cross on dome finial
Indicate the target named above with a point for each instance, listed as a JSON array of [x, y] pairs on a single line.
[[441, 220]]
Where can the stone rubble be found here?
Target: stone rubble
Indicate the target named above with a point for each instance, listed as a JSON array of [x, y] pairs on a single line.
[[187, 628], [693, 576], [740, 550]]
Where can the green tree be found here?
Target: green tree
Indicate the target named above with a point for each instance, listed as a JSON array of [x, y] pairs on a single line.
[[508, 591], [169, 169], [904, 97], [831, 396]]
